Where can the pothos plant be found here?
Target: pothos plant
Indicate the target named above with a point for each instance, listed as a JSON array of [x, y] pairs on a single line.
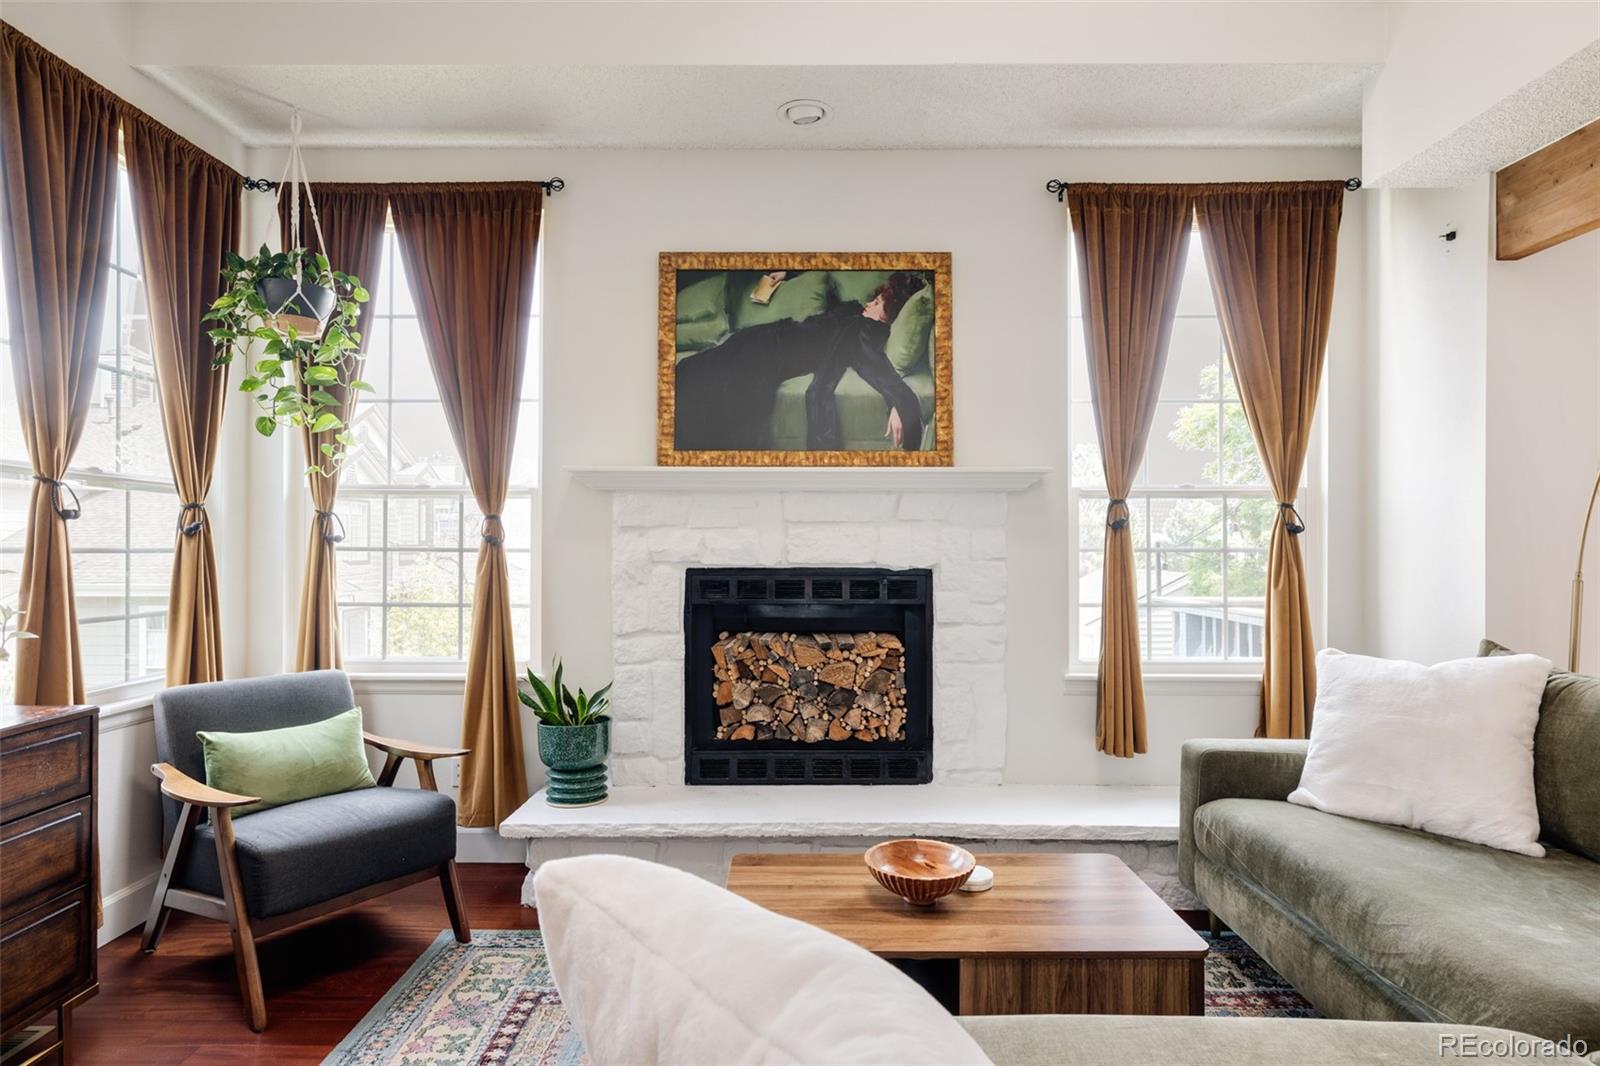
[[299, 368]]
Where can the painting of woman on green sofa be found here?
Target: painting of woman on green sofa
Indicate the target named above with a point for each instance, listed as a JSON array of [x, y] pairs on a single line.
[[788, 360]]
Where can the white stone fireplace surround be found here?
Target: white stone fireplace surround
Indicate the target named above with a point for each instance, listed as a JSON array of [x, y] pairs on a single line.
[[662, 525], [949, 520]]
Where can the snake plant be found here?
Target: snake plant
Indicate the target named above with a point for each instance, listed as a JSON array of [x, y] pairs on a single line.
[[553, 703]]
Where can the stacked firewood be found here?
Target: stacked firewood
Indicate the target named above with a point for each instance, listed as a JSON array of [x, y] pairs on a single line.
[[809, 687]]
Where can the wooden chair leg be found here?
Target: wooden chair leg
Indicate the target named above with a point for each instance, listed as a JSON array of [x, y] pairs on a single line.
[[244, 941], [452, 901], [156, 923]]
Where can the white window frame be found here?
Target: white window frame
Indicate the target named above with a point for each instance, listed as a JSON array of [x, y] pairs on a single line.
[[466, 553], [1310, 505]]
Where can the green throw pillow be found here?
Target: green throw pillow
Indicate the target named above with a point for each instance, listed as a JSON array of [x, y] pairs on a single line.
[[799, 297], [287, 765], [910, 331]]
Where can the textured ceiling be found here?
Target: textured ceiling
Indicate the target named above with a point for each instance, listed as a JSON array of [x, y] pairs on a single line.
[[736, 107]]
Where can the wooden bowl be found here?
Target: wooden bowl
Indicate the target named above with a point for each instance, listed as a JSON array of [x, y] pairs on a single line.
[[920, 871]]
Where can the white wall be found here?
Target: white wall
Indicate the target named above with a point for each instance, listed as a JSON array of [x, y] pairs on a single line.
[[1425, 413], [1008, 239], [1543, 445]]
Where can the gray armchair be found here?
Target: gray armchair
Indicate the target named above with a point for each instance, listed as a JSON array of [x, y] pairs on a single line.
[[286, 865]]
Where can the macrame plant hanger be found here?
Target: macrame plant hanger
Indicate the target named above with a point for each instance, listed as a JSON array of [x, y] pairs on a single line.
[[287, 313]]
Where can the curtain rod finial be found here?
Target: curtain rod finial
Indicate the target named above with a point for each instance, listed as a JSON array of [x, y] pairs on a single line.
[[1352, 184], [1057, 186]]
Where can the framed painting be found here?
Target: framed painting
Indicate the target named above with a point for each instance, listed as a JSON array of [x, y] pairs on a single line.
[[804, 359]]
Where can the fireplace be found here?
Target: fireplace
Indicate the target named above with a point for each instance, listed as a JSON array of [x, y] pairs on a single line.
[[814, 676]]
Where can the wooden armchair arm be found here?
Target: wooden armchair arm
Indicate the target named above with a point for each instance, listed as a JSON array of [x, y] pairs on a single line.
[[406, 749], [177, 785], [397, 751]]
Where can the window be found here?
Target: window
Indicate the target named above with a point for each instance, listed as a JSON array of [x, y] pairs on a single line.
[[407, 563], [1201, 507], [122, 543]]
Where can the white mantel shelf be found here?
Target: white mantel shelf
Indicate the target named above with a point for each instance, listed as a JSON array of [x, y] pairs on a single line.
[[808, 478], [999, 812]]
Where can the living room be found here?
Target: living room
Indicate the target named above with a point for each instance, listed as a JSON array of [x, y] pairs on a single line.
[[1186, 559]]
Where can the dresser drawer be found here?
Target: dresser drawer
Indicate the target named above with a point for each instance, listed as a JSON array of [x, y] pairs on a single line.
[[43, 767], [44, 855], [49, 953]]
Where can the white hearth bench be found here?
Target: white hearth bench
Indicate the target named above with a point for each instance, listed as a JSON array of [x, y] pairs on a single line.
[[699, 829]]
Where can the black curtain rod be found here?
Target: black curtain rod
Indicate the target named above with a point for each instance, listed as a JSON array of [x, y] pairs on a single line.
[[268, 185], [1059, 187]]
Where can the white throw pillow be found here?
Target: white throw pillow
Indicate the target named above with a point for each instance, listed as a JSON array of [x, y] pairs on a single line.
[[1447, 749], [656, 965]]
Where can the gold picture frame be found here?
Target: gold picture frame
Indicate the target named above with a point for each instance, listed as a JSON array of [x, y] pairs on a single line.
[[936, 264]]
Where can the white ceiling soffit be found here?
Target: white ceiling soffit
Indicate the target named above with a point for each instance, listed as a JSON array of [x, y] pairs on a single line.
[[933, 106], [1545, 110]]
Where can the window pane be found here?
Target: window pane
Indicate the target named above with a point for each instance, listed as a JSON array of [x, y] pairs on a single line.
[[1192, 371], [1183, 446], [375, 364], [519, 569], [1250, 522], [14, 496], [1091, 577], [1078, 361], [148, 640], [1182, 522], [424, 521], [100, 584], [522, 631], [1186, 631], [424, 452], [360, 576], [361, 631], [1087, 473], [149, 582], [1194, 295], [1188, 575], [127, 251], [525, 448], [104, 653], [1091, 522], [399, 287], [143, 441], [154, 520], [363, 520], [424, 633], [102, 522], [423, 577], [1246, 630], [1247, 574], [368, 462], [1241, 460], [413, 376], [97, 448]]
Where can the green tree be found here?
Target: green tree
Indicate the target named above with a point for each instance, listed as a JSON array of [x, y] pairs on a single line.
[[424, 631]]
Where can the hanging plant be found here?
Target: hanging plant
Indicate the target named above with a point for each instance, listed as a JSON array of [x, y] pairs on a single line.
[[304, 314]]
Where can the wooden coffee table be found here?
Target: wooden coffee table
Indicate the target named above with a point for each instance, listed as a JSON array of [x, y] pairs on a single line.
[[1058, 933]]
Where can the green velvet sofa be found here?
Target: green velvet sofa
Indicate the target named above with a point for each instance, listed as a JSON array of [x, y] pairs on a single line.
[[713, 303], [1379, 922]]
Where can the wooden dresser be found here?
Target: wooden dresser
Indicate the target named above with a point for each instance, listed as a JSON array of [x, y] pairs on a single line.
[[48, 764]]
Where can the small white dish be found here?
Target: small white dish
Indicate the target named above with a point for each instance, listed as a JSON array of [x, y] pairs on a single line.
[[982, 880]]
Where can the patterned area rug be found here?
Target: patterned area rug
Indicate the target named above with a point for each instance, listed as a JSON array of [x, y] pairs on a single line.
[[492, 1002]]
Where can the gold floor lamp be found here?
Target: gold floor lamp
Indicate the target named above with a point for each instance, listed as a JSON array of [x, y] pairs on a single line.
[[1576, 630]]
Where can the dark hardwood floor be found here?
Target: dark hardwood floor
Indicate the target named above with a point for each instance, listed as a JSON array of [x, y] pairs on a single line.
[[181, 1005]]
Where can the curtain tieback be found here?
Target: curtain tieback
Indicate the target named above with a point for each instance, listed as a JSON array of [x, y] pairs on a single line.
[[66, 514], [194, 525], [328, 520], [1295, 525], [1121, 520], [495, 539]]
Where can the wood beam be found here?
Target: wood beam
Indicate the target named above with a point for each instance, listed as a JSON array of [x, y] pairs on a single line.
[[1550, 196]]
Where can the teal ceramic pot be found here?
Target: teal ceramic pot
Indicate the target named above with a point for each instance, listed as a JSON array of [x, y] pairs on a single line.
[[575, 760]]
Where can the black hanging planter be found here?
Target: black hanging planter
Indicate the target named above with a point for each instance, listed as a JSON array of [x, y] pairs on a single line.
[[306, 310]]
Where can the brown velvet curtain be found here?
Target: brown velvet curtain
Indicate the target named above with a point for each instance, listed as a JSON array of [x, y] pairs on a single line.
[[1270, 250], [58, 162], [353, 218], [186, 207], [469, 252], [1131, 242]]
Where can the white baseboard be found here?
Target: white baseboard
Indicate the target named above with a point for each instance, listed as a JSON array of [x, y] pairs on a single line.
[[485, 844], [126, 908]]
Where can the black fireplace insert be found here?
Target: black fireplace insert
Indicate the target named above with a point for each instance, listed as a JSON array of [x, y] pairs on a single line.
[[808, 676]]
